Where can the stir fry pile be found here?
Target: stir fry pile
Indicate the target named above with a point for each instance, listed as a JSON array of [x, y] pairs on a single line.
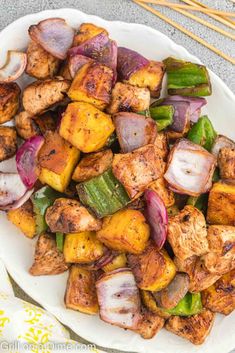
[[133, 193]]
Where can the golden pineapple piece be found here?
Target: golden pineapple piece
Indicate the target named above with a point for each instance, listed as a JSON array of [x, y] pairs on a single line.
[[23, 218], [87, 31]]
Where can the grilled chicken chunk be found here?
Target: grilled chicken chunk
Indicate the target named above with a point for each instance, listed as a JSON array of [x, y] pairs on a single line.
[[187, 233], [226, 161], [92, 165], [194, 328], [40, 63], [221, 256], [8, 142], [160, 187], [161, 145], [48, 260], [221, 142], [220, 297], [200, 277], [126, 97], [149, 324], [9, 101], [138, 169], [26, 127], [41, 95], [69, 216]]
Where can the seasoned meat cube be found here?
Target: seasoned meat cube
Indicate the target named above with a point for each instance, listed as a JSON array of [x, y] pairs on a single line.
[[194, 328], [48, 260], [221, 142], [46, 122], [138, 169], [161, 145], [69, 216], [8, 142], [40, 63], [126, 97], [149, 324], [220, 297], [41, 95], [92, 165], [87, 31], [187, 233], [26, 127], [221, 256], [80, 292], [160, 187], [200, 277], [226, 161], [9, 101]]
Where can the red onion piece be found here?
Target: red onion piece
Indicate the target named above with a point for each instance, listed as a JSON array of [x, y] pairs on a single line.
[[26, 160], [128, 62], [134, 130], [181, 115], [190, 168], [157, 217], [75, 62], [118, 298], [19, 202], [99, 48], [14, 66], [54, 35]]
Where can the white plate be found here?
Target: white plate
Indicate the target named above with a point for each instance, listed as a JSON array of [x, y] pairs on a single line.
[[17, 251]]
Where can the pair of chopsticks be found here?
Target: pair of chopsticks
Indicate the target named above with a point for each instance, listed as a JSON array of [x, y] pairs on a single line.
[[222, 16]]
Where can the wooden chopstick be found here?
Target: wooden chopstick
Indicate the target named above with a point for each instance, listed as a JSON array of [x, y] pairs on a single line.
[[184, 30], [222, 19], [205, 23], [189, 7]]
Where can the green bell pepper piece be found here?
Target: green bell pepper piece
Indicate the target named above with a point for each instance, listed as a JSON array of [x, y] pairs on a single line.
[[189, 305], [202, 133], [42, 199], [200, 202], [163, 115], [60, 241], [186, 78], [145, 113]]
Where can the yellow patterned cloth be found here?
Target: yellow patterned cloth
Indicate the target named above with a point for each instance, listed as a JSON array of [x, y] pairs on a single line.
[[26, 328]]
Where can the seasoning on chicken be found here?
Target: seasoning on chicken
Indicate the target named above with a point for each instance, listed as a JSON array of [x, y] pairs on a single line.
[[226, 162], [149, 324], [69, 216], [8, 142], [161, 145], [48, 260], [138, 169], [221, 256], [26, 127], [187, 233], [9, 101], [194, 328], [41, 95]]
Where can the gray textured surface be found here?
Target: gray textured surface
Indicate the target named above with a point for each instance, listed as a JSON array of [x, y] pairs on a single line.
[[125, 10]]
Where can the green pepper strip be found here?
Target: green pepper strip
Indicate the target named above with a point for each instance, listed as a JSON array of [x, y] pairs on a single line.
[[163, 115], [189, 305], [203, 133], [60, 241]]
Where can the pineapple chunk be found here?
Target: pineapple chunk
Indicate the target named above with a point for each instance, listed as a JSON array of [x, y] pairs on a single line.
[[86, 32], [86, 127], [57, 160], [23, 218], [221, 204], [92, 84]]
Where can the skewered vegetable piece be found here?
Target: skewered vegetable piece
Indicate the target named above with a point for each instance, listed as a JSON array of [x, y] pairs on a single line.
[[8, 142], [126, 97], [82, 247], [149, 302], [41, 95], [136, 170], [153, 269], [199, 202], [75, 63], [92, 84], [190, 305], [57, 160], [221, 256], [40, 63], [118, 298], [59, 241], [190, 168], [23, 218], [194, 328], [104, 195], [69, 216], [93, 165], [160, 187], [80, 292], [86, 127], [134, 130], [220, 297], [48, 260], [221, 204], [186, 78], [163, 115], [203, 133], [118, 261], [9, 101], [125, 231], [42, 199], [226, 162], [87, 31]]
